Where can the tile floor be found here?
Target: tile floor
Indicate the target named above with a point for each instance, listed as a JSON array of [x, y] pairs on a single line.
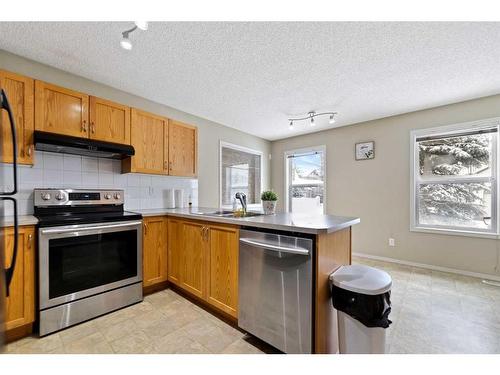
[[438, 312], [433, 312]]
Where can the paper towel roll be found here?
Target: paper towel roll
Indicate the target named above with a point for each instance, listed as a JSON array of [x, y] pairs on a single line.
[[169, 198], [179, 198]]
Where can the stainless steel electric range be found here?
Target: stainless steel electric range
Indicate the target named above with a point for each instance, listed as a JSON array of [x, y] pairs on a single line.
[[90, 255]]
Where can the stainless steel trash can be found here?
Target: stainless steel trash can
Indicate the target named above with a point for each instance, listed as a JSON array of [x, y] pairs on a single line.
[[361, 295]]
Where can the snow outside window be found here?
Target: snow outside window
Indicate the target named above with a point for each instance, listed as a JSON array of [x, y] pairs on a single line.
[[454, 185], [305, 180]]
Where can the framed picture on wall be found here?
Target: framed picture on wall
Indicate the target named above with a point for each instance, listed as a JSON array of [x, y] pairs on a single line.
[[365, 150]]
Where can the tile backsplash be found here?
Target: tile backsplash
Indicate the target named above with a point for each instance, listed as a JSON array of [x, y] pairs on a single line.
[[51, 170]]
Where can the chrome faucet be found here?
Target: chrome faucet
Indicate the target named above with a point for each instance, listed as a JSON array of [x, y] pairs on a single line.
[[242, 197]]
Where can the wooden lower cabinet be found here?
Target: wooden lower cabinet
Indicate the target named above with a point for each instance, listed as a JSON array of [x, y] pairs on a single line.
[[154, 239], [193, 258], [20, 305], [174, 250], [223, 268], [203, 261]]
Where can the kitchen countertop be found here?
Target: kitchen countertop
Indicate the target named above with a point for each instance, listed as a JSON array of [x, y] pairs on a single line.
[[22, 220], [305, 223]]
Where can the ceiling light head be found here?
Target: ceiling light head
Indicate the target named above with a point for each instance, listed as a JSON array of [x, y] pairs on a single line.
[[126, 43], [143, 25], [312, 121], [290, 126], [332, 119]]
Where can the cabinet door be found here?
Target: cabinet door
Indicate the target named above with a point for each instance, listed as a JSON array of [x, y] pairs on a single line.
[[183, 149], [154, 247], [149, 136], [20, 305], [109, 121], [223, 268], [20, 92], [59, 110], [193, 258], [174, 250]]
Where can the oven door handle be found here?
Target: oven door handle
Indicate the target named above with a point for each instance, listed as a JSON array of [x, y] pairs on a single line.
[[95, 227]]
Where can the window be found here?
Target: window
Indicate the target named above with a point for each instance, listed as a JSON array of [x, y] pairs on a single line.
[[240, 171], [454, 185], [305, 180]]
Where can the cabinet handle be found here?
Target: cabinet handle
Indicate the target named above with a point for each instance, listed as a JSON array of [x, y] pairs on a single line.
[[205, 233], [92, 127], [165, 165], [30, 240], [170, 165], [30, 150], [84, 126], [145, 229]]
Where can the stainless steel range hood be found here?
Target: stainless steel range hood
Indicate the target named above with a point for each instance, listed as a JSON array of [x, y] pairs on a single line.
[[80, 146]]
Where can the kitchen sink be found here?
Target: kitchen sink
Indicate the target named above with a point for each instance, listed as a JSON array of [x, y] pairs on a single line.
[[224, 213]]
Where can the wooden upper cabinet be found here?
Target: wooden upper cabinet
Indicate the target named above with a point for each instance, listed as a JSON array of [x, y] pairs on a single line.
[[20, 305], [62, 111], [183, 149], [109, 121], [149, 136], [223, 268], [154, 246], [20, 93], [193, 269]]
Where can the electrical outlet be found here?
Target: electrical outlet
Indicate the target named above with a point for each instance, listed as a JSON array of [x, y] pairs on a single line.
[[392, 242]]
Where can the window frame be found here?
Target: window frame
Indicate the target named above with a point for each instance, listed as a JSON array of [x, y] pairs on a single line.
[[458, 128], [305, 150], [224, 144]]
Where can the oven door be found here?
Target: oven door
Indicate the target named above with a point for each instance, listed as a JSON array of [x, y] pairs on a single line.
[[78, 261]]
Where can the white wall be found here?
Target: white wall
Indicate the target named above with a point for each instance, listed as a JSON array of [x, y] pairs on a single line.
[[378, 190], [209, 132]]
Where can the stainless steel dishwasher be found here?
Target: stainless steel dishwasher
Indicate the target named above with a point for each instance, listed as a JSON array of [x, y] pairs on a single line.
[[276, 289]]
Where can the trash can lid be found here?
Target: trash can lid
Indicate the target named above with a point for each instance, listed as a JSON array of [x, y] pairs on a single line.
[[362, 279]]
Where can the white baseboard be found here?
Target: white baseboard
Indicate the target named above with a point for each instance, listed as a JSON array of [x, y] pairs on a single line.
[[479, 275]]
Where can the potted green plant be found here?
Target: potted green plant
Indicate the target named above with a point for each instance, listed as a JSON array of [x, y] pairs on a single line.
[[269, 199]]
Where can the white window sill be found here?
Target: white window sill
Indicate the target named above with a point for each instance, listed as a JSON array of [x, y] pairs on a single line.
[[451, 232]]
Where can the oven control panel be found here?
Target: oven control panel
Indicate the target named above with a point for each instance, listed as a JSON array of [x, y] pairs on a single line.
[[77, 197]]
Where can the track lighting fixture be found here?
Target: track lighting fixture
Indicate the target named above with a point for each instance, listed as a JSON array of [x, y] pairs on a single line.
[[311, 115], [126, 43]]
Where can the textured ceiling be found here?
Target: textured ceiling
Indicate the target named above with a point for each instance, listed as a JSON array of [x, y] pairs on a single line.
[[253, 76]]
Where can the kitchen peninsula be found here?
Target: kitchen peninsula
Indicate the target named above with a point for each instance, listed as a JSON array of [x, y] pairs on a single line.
[[207, 266]]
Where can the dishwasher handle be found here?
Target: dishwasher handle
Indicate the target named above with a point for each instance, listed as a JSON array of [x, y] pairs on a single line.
[[268, 246]]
